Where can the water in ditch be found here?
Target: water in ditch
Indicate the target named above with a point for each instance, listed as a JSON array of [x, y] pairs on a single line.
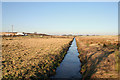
[[70, 66]]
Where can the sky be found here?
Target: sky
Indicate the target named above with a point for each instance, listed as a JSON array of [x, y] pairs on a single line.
[[99, 18]]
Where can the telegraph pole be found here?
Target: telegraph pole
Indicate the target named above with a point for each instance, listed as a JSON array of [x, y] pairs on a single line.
[[12, 28]]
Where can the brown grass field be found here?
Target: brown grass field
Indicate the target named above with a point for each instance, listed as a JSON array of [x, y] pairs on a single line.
[[99, 56], [32, 57], [37, 57]]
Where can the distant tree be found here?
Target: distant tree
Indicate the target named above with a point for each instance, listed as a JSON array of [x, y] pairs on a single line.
[[35, 32], [64, 35], [80, 35], [69, 34]]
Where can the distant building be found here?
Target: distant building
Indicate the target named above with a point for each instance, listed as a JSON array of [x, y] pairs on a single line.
[[8, 33], [20, 34]]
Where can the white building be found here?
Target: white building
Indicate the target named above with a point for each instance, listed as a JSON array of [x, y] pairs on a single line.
[[20, 34]]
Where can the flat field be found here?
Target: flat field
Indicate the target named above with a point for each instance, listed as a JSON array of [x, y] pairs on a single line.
[[26, 57], [99, 56]]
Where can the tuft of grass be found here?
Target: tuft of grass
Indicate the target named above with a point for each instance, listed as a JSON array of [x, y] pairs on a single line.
[[87, 44], [116, 60]]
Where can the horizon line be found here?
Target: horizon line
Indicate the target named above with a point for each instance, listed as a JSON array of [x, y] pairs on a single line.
[[90, 34]]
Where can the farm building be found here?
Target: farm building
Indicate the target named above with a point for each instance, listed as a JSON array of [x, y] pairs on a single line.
[[13, 34], [21, 34], [8, 33]]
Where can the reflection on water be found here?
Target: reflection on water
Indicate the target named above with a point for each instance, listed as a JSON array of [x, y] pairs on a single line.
[[70, 66]]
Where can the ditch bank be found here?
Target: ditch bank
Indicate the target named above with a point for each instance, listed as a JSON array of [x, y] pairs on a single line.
[[55, 61], [98, 60]]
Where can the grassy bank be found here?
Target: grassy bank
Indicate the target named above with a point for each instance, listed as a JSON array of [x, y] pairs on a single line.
[[32, 58], [99, 56]]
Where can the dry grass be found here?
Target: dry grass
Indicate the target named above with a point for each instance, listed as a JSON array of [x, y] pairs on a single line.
[[25, 57], [98, 56]]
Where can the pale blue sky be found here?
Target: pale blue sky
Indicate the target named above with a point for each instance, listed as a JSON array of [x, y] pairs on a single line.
[[61, 17]]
